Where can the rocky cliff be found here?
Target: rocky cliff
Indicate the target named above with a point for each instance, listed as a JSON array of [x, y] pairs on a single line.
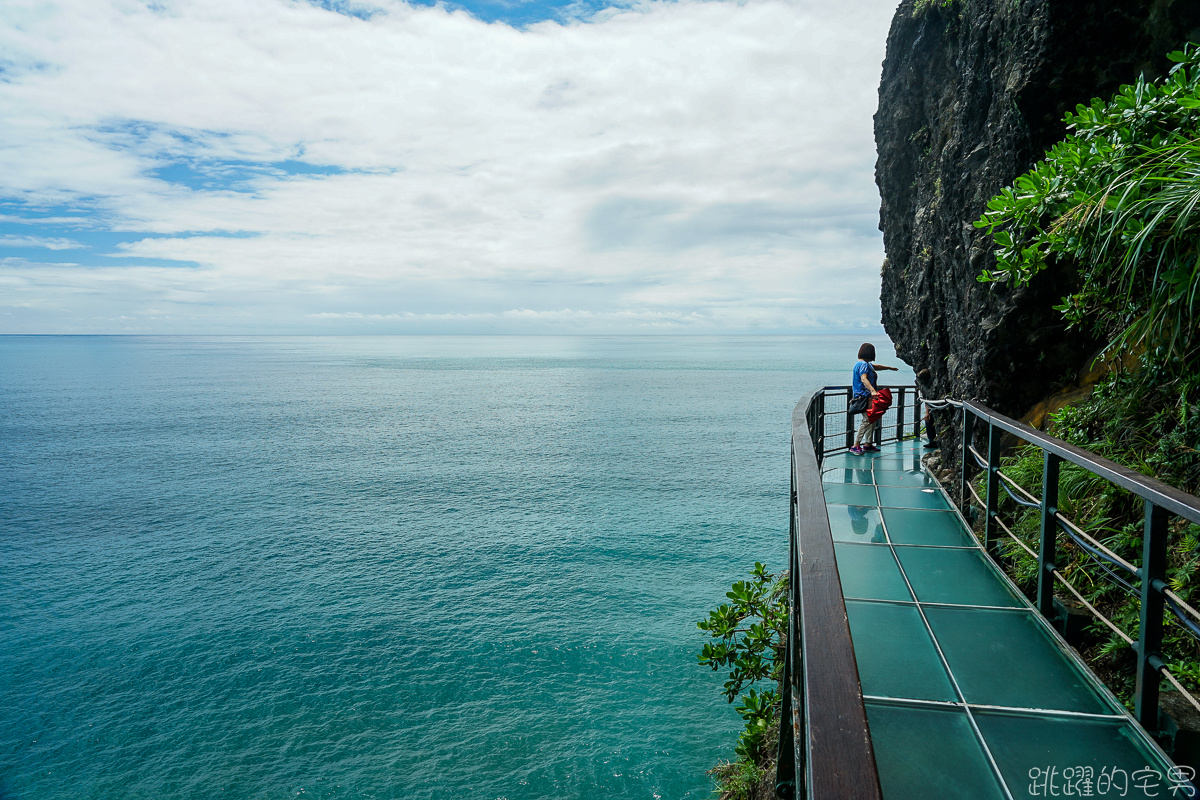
[[973, 92]]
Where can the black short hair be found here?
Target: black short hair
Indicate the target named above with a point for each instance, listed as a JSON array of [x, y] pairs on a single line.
[[867, 352]]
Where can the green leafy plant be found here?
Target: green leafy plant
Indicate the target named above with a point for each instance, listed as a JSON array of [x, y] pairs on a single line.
[[1117, 200], [747, 636]]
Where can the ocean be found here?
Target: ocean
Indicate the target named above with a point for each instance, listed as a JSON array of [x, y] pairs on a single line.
[[382, 567]]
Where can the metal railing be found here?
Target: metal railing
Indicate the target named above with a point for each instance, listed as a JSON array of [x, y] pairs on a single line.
[[1147, 581], [834, 427], [825, 749]]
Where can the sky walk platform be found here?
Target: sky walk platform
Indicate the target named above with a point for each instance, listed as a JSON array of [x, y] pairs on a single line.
[[969, 692]]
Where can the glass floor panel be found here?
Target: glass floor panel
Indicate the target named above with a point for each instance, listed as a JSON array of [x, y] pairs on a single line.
[[856, 524], [847, 476], [903, 448], [898, 463], [927, 753], [1040, 752], [961, 577], [845, 461], [920, 480], [904, 497], [937, 528], [1005, 658], [896, 656], [852, 494], [870, 572]]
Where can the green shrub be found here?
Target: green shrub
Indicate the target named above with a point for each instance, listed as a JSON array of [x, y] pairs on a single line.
[[1118, 201], [747, 636]]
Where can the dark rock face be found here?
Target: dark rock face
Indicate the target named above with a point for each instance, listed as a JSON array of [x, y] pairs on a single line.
[[973, 92]]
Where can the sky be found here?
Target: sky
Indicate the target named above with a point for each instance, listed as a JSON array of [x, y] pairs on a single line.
[[377, 166]]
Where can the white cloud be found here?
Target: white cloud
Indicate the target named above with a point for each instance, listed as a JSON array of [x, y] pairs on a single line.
[[10, 240], [689, 161]]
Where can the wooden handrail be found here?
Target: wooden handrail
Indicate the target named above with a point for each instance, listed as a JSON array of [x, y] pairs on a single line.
[[1162, 495], [832, 741]]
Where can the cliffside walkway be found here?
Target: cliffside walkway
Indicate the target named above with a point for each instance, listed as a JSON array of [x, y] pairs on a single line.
[[967, 690]]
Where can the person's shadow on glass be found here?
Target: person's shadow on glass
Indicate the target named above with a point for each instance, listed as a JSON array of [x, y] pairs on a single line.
[[860, 524]]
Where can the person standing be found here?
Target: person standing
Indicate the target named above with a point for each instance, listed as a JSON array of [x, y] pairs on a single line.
[[924, 385], [865, 384]]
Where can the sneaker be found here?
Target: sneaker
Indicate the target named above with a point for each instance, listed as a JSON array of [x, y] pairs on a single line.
[[870, 448], [856, 450], [932, 445]]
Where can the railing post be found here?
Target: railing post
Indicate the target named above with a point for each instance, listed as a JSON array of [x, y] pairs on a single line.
[[820, 443], [993, 479], [1149, 644], [964, 496], [849, 419], [1047, 552], [900, 416]]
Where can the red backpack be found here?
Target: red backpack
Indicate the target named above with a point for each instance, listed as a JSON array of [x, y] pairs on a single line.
[[879, 404]]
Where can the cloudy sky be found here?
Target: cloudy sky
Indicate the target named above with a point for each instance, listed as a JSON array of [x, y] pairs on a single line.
[[375, 166]]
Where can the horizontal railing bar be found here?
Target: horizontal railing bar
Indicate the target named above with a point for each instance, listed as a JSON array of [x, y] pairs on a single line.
[[1090, 545], [1128, 639], [1015, 499], [1179, 601], [1074, 531], [1098, 556], [1015, 538], [1166, 673], [1188, 625], [1081, 533], [1028, 496], [978, 458], [1160, 494], [971, 489]]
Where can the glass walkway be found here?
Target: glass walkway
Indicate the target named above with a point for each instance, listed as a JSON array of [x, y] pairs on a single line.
[[969, 692]]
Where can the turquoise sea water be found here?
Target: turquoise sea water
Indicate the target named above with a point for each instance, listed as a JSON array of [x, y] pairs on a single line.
[[381, 567]]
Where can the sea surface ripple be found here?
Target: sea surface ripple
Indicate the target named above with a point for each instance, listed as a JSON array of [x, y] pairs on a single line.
[[381, 567]]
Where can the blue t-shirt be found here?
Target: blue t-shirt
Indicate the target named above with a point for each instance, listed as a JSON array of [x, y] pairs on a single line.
[[860, 369]]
